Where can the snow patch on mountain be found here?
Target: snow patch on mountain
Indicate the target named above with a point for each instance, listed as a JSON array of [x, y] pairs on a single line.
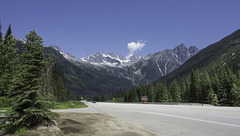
[[110, 59]]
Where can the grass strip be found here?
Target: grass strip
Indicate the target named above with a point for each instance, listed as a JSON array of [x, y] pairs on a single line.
[[70, 105]]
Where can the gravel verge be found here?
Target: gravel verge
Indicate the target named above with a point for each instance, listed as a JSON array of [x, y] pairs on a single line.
[[87, 124]]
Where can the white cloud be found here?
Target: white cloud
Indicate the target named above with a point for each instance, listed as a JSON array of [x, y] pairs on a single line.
[[135, 46]]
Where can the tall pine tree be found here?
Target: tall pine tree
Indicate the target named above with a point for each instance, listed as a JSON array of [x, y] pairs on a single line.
[[238, 77], [1, 60], [163, 93], [1, 38], [211, 97], [158, 93], [151, 93], [223, 87], [206, 86], [234, 96], [175, 92], [31, 108], [9, 62], [59, 84], [215, 83], [9, 32], [47, 78], [194, 87]]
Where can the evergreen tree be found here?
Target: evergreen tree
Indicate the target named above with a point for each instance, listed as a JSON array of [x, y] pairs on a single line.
[[211, 97], [68, 93], [144, 91], [232, 77], [224, 83], [194, 87], [60, 90], [139, 92], [227, 80], [9, 32], [47, 77], [134, 95], [117, 94], [232, 91], [9, 62], [234, 96], [1, 58], [31, 108], [163, 93], [205, 86], [175, 92], [1, 38], [199, 92], [126, 98], [151, 93], [183, 90], [238, 75], [131, 96], [158, 93], [187, 92], [215, 83]]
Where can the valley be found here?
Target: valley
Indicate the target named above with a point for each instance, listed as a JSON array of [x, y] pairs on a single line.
[[115, 72]]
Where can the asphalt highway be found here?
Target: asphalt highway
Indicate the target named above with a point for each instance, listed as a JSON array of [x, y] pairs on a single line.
[[173, 120]]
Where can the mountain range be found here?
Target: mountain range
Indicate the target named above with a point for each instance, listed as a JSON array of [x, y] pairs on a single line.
[[104, 72]]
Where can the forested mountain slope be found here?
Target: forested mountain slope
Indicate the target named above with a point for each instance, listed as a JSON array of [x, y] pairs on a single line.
[[225, 51]]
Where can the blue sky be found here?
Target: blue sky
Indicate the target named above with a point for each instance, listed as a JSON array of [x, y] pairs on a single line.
[[82, 27]]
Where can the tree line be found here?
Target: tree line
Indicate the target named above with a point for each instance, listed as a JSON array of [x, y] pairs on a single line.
[[29, 82], [218, 87]]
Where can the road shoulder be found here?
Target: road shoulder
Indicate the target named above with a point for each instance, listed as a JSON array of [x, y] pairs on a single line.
[[96, 124]]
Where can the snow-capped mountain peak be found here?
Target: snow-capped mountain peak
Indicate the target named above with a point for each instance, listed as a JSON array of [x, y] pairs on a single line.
[[101, 59], [109, 59]]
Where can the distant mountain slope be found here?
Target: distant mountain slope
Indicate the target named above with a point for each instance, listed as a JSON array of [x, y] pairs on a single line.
[[225, 51], [160, 64]]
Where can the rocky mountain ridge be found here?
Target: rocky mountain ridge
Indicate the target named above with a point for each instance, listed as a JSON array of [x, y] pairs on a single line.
[[137, 69], [107, 72], [159, 64]]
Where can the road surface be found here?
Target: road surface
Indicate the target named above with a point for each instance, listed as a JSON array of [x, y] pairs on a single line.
[[173, 120]]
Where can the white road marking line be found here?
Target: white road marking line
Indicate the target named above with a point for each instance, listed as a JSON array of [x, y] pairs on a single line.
[[182, 117], [225, 116]]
